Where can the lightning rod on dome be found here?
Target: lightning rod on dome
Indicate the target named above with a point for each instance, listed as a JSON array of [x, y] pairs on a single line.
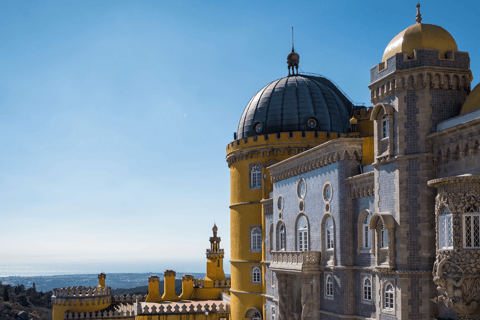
[[418, 18], [293, 60]]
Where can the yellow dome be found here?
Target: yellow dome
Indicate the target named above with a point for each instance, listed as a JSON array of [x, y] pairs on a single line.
[[421, 36], [473, 101]]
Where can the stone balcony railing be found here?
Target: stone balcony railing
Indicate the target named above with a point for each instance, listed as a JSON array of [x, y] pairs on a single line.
[[295, 261], [226, 283]]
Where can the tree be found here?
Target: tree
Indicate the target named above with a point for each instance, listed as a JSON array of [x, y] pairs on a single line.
[[5, 294]]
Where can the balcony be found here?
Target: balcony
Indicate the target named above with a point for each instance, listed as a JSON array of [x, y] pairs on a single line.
[[295, 261]]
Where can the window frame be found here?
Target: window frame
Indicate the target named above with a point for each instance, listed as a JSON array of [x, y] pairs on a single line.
[[474, 216], [255, 177], [384, 238], [329, 234], [367, 289], [385, 126], [367, 233], [254, 275], [302, 236], [255, 239], [443, 220], [389, 305], [328, 292], [282, 237]]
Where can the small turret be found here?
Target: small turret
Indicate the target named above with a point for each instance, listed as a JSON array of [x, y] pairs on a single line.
[[214, 260], [101, 280]]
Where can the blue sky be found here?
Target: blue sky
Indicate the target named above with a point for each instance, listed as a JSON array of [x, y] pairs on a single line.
[[115, 115]]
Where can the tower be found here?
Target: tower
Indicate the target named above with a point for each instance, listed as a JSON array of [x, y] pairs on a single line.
[[286, 117], [422, 80]]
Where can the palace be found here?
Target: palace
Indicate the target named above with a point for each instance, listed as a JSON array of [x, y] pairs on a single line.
[[339, 211]]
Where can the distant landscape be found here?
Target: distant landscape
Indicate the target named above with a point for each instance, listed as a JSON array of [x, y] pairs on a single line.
[[114, 280], [33, 294]]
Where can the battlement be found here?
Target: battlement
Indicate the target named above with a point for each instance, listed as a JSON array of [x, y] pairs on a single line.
[[178, 308], [128, 298], [80, 292], [225, 283], [283, 137], [422, 58]]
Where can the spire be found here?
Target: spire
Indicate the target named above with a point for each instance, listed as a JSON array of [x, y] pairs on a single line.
[[293, 59], [419, 15], [293, 46]]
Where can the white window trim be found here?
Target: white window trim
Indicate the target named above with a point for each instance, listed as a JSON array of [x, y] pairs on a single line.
[[282, 239], [255, 177], [367, 289], [372, 291], [384, 297], [255, 239], [328, 276], [304, 232], [384, 239], [385, 126], [329, 235], [368, 236], [473, 216], [442, 230], [254, 268]]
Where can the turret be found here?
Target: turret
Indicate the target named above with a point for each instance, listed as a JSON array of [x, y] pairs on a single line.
[[214, 260]]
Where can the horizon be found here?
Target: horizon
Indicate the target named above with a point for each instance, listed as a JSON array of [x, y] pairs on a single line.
[[116, 115]]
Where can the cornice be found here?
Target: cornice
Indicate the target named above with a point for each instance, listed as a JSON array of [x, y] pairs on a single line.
[[320, 156], [452, 180], [268, 150], [362, 185]]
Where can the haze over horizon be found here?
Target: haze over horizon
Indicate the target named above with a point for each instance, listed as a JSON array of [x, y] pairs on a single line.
[[115, 115]]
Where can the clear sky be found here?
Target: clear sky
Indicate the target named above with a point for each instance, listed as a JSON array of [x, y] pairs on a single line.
[[115, 115]]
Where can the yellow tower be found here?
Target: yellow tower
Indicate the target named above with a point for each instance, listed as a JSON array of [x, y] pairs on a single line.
[[286, 117]]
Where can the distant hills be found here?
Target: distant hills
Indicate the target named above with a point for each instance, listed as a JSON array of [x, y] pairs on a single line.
[[114, 280]]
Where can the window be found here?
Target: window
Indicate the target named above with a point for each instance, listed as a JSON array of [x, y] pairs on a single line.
[[329, 286], [367, 289], [445, 231], [271, 237], [329, 234], [388, 296], [257, 316], [471, 228], [384, 238], [256, 239], [256, 275], [302, 234], [281, 234], [256, 176], [367, 233], [385, 126]]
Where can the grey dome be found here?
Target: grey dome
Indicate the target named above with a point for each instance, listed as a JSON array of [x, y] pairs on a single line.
[[287, 104]]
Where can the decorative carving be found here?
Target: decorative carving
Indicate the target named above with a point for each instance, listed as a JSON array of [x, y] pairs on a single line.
[[456, 272]]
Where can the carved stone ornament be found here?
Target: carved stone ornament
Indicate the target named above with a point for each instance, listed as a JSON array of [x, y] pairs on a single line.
[[456, 271]]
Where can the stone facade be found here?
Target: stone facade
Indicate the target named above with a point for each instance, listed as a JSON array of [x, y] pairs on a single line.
[[376, 238]]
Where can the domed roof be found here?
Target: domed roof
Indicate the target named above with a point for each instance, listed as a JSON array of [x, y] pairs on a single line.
[[420, 36], [296, 103], [473, 101]]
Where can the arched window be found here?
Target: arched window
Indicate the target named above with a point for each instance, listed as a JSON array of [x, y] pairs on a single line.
[[367, 234], [388, 296], [367, 289], [256, 176], [256, 239], [302, 234], [281, 237], [256, 275], [329, 243], [471, 228], [445, 230], [257, 316], [384, 238], [329, 286], [385, 126]]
